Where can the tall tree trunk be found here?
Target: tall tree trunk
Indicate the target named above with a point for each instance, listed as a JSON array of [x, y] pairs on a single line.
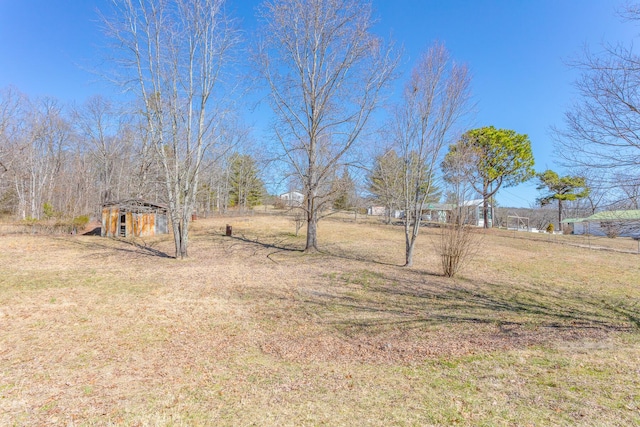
[[559, 215], [184, 237], [312, 225], [180, 227], [411, 232], [312, 239], [485, 206], [408, 253], [177, 234], [325, 71]]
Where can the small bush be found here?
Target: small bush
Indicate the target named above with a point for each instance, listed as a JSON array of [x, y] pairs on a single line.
[[612, 229], [278, 203], [29, 220], [80, 222], [48, 211], [457, 246], [550, 228], [299, 219]]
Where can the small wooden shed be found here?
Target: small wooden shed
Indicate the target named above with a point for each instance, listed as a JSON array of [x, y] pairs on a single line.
[[133, 217]]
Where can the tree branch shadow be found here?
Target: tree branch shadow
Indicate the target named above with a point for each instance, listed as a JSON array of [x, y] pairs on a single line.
[[349, 256], [280, 245], [134, 248], [273, 247], [146, 249], [404, 302]]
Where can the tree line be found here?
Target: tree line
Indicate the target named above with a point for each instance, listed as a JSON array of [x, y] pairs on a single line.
[[66, 160], [325, 74]]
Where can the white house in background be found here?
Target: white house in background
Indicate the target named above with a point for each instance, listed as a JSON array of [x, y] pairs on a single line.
[[431, 212], [292, 198], [473, 212]]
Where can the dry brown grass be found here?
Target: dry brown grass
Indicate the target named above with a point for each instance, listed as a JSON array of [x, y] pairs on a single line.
[[250, 331]]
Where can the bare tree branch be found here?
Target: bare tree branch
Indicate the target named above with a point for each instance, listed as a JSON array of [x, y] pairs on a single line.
[[175, 52], [602, 129], [325, 71], [435, 98]]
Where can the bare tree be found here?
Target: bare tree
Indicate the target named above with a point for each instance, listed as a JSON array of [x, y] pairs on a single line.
[[600, 194], [215, 193], [630, 188], [435, 98], [42, 168], [601, 130], [325, 71], [64, 161], [11, 119], [174, 53], [12, 116], [100, 127], [38, 155], [459, 242]]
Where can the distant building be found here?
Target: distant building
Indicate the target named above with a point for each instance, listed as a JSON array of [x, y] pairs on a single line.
[[436, 212], [134, 217], [469, 210], [607, 223], [292, 198], [473, 212], [376, 210]]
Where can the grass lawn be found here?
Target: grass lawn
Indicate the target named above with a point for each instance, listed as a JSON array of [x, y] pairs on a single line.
[[251, 331]]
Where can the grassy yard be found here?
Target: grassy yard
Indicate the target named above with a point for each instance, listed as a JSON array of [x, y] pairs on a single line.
[[250, 331]]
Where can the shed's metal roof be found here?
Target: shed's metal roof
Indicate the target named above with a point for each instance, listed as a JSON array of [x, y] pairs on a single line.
[[136, 205], [628, 215]]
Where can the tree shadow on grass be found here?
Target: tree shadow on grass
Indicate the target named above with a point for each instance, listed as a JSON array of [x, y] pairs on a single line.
[[146, 249], [279, 244], [367, 302], [272, 247], [350, 256], [128, 246]]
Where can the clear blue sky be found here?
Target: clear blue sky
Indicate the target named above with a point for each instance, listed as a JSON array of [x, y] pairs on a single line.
[[517, 51]]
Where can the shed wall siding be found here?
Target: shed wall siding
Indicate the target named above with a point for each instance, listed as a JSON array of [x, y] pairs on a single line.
[[105, 218], [114, 218]]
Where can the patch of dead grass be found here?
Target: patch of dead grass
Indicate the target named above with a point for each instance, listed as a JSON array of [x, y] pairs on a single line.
[[249, 330]]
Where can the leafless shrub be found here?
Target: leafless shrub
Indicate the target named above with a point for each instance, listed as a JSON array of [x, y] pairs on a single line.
[[458, 245], [298, 219], [435, 99], [610, 228]]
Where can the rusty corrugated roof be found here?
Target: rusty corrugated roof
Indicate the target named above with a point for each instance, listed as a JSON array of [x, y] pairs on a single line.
[[135, 205]]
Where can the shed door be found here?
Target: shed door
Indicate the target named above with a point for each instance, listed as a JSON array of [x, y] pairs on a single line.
[[123, 225]]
